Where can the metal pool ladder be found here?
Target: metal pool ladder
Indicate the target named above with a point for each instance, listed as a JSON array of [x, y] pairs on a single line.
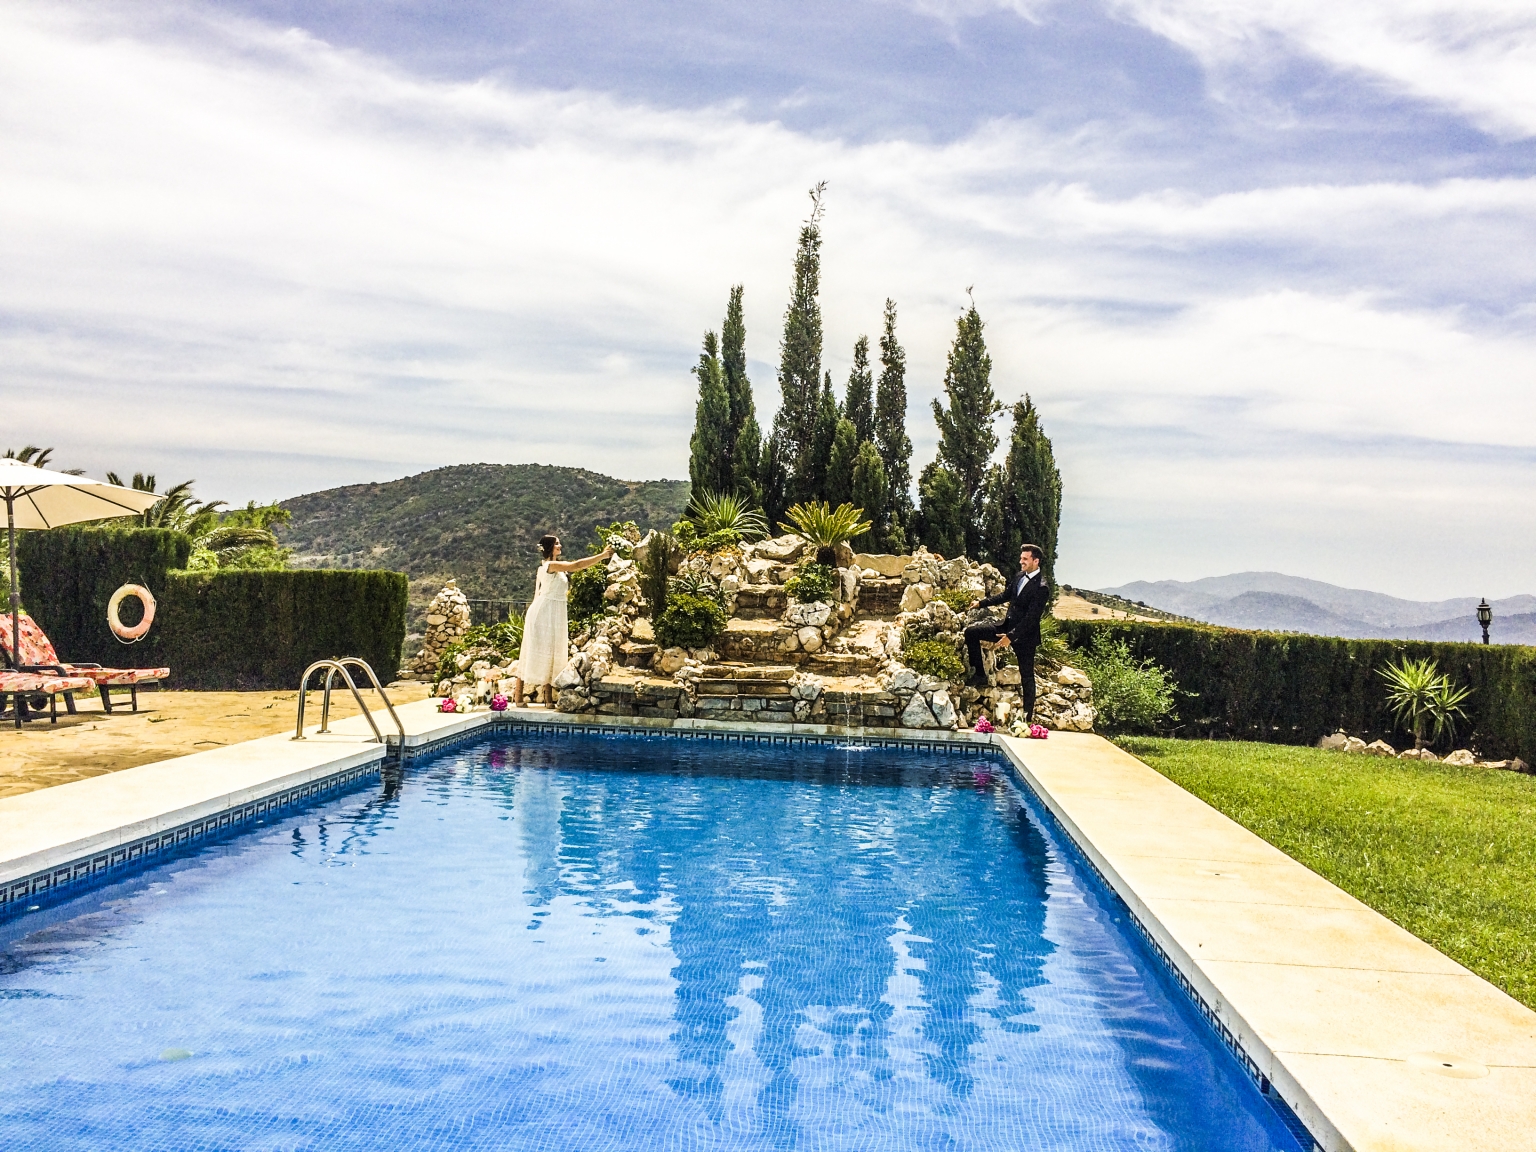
[[335, 667]]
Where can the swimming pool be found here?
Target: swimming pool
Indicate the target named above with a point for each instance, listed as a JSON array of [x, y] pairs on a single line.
[[619, 942]]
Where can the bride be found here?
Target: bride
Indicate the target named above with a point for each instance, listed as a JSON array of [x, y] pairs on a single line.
[[546, 641]]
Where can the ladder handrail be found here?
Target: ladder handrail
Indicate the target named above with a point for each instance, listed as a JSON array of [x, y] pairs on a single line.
[[334, 666], [377, 687]]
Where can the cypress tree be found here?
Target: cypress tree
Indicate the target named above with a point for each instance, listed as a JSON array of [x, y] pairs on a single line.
[[800, 354], [1024, 495], [966, 436], [810, 483], [869, 491], [746, 462], [840, 463], [709, 465], [733, 361], [890, 436], [773, 480], [859, 400], [942, 511]]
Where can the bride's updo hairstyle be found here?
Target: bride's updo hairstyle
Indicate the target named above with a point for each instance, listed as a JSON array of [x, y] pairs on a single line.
[[547, 546]]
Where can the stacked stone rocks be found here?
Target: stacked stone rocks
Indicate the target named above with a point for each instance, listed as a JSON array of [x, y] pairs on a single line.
[[447, 621]]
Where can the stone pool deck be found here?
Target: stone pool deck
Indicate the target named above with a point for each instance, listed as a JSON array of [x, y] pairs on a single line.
[[1378, 1042]]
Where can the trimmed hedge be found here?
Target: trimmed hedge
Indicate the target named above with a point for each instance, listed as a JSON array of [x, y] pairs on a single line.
[[1287, 688], [214, 630]]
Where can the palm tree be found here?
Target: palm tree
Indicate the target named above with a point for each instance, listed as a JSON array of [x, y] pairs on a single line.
[[824, 527]]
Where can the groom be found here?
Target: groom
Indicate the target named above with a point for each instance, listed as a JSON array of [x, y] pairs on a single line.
[[1026, 597]]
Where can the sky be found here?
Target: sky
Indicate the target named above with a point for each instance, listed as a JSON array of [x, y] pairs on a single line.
[[1265, 268]]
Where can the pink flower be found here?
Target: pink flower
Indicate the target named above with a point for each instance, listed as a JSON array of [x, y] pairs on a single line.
[[1038, 732], [498, 703], [449, 704], [984, 725]]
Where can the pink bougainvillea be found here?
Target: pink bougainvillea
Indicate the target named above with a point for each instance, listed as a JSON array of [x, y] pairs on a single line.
[[498, 703], [449, 704], [984, 725], [1038, 732]]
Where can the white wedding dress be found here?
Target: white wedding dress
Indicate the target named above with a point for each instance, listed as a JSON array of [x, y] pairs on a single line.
[[546, 640]]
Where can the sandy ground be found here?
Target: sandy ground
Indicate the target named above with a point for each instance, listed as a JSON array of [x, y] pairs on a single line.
[[1070, 607], [167, 724]]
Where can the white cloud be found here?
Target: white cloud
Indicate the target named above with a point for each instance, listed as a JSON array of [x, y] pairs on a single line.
[[239, 254], [1475, 56]]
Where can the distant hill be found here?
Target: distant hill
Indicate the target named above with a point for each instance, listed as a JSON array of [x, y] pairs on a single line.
[[477, 523], [1275, 601]]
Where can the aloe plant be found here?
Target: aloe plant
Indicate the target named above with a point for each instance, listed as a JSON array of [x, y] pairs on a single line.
[[824, 527], [724, 511]]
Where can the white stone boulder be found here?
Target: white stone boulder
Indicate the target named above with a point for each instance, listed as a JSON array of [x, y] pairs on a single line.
[[1074, 678], [781, 548], [1380, 748], [943, 709], [670, 661], [917, 715], [882, 563], [1461, 758], [643, 631], [1335, 742], [810, 638]]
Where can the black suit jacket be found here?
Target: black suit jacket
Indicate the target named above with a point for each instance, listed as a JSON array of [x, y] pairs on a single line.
[[1026, 605]]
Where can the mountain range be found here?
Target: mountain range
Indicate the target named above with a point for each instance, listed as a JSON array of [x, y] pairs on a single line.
[[1274, 601]]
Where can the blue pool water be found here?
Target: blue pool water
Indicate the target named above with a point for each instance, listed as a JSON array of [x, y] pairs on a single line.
[[618, 943]]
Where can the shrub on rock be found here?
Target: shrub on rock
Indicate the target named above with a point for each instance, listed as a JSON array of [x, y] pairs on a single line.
[[690, 621]]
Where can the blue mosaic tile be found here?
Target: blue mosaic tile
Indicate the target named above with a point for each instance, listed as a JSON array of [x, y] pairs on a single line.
[[617, 941]]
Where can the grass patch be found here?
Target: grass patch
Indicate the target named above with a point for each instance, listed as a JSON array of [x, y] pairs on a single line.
[[1447, 853]]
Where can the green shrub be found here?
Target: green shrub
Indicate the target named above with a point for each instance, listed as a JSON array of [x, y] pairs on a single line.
[[685, 532], [958, 599], [1129, 694], [934, 658], [690, 621], [505, 640], [214, 630], [812, 582], [584, 597], [1288, 688], [697, 584]]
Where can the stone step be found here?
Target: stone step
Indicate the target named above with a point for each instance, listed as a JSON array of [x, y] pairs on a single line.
[[842, 664], [881, 597], [743, 687], [726, 671]]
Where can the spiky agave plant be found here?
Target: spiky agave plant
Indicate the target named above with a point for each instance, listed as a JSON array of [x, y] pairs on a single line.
[[824, 527], [1412, 686], [1445, 708], [721, 511]]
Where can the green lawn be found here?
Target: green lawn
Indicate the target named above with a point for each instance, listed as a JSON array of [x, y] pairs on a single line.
[[1448, 853]]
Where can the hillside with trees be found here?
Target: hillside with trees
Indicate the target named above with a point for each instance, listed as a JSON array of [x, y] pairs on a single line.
[[477, 523]]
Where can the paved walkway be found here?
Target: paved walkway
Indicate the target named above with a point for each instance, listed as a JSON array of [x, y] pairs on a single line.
[[1379, 1042]]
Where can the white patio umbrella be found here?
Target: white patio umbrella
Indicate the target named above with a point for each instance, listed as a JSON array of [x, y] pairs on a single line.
[[39, 498]]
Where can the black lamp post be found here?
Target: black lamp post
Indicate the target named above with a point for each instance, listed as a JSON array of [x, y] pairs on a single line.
[[1484, 617]]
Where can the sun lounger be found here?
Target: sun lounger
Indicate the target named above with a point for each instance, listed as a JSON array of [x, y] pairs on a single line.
[[16, 686], [38, 655]]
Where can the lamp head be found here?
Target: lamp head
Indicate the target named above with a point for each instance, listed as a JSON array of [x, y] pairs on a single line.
[[1484, 613]]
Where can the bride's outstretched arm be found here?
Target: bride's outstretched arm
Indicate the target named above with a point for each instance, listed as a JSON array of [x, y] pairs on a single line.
[[578, 565]]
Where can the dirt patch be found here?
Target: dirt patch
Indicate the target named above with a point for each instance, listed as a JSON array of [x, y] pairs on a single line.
[[167, 724], [1070, 607]]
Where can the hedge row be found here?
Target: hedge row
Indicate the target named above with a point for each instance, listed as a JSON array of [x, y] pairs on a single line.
[[214, 630], [1291, 689]]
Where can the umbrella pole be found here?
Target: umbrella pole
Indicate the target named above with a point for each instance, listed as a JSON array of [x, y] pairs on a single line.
[[10, 537]]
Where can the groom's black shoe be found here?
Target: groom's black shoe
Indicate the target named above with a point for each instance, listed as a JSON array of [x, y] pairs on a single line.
[[977, 680]]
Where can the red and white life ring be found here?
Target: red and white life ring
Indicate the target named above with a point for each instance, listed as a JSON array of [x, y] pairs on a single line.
[[122, 631]]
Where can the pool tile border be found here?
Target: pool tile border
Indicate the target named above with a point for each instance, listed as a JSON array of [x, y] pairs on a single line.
[[105, 866]]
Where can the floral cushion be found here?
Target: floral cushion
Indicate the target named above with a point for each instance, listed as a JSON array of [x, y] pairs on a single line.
[[36, 649], [41, 682], [119, 675]]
